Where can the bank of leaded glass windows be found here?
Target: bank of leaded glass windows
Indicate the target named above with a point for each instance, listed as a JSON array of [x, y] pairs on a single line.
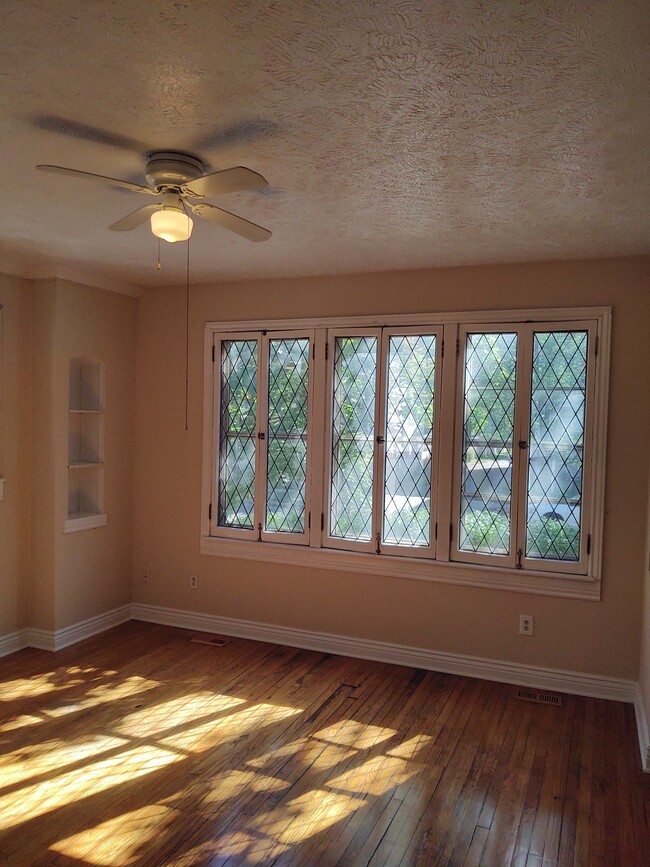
[[512, 462]]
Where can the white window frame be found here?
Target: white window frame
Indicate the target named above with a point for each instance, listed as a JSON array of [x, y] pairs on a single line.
[[516, 558], [536, 577], [258, 532]]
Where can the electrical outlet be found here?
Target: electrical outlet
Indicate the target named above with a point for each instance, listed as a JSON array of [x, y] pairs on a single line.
[[194, 581], [526, 624], [145, 576]]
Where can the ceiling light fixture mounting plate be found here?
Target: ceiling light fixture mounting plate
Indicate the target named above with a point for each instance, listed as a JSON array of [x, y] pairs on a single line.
[[172, 168]]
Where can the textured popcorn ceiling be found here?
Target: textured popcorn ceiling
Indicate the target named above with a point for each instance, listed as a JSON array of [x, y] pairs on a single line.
[[394, 134]]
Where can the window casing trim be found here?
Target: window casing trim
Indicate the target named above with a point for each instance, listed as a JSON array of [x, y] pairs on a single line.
[[546, 582]]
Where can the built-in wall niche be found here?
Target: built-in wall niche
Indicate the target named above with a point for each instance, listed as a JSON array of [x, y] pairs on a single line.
[[85, 445]]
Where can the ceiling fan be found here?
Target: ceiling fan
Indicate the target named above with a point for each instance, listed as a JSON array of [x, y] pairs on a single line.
[[175, 178]]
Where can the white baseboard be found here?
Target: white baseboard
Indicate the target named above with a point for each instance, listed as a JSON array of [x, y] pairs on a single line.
[[49, 639], [13, 641], [92, 626], [578, 683], [642, 729]]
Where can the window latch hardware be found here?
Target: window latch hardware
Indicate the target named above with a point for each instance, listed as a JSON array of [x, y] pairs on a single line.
[[259, 532], [523, 444], [380, 440], [261, 435], [519, 556], [378, 549]]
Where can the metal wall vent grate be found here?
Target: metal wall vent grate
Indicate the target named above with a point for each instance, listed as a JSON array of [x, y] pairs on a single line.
[[539, 697]]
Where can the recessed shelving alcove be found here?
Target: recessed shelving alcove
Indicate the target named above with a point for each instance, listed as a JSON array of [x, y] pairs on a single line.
[[85, 445]]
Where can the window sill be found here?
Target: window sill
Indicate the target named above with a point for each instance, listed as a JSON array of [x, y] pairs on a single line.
[[541, 583], [84, 521]]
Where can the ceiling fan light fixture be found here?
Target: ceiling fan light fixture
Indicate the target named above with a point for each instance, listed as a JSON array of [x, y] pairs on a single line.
[[171, 225]]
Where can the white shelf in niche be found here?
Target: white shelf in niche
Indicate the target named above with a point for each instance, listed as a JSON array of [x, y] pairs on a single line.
[[85, 446]]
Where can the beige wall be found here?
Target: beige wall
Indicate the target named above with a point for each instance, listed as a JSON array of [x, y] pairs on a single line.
[[93, 567], [600, 637], [15, 366], [49, 580]]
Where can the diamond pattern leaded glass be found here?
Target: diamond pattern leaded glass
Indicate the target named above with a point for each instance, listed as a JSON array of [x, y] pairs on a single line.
[[237, 433], [409, 435], [488, 429], [287, 435], [353, 430], [557, 424]]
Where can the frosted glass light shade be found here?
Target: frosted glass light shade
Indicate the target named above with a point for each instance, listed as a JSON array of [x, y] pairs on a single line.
[[171, 225]]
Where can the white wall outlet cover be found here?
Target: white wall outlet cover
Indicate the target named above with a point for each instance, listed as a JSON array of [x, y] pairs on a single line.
[[526, 624]]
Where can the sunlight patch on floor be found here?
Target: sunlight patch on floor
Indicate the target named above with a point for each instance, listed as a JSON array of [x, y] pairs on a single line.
[[157, 718], [30, 761], [56, 792], [21, 722], [409, 749], [277, 830], [119, 840], [350, 733], [375, 776]]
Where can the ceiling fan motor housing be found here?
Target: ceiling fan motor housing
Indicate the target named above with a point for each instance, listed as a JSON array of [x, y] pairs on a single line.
[[172, 168]]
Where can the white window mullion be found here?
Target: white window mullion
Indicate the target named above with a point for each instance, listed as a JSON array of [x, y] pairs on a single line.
[[379, 460], [318, 415], [448, 434], [261, 455], [521, 444]]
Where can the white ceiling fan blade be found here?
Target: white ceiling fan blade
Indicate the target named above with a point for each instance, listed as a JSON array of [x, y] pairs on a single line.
[[135, 218], [75, 173], [236, 224], [227, 181]]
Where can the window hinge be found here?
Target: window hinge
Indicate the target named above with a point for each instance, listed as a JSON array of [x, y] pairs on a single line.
[[442, 349], [588, 543], [259, 532], [451, 532], [519, 556], [378, 538], [210, 512], [435, 531], [458, 346], [261, 435], [313, 349], [309, 520], [327, 351], [596, 346], [322, 520], [213, 353]]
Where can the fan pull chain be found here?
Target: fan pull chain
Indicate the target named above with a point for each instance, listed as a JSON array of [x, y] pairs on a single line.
[[158, 260]]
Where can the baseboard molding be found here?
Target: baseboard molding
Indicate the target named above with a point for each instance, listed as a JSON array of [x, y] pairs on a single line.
[[48, 639], [642, 729], [92, 626], [578, 683], [13, 642]]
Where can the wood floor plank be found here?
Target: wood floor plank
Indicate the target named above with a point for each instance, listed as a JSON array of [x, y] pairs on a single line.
[[138, 747]]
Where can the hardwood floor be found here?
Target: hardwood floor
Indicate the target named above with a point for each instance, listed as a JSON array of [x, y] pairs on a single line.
[[140, 747]]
